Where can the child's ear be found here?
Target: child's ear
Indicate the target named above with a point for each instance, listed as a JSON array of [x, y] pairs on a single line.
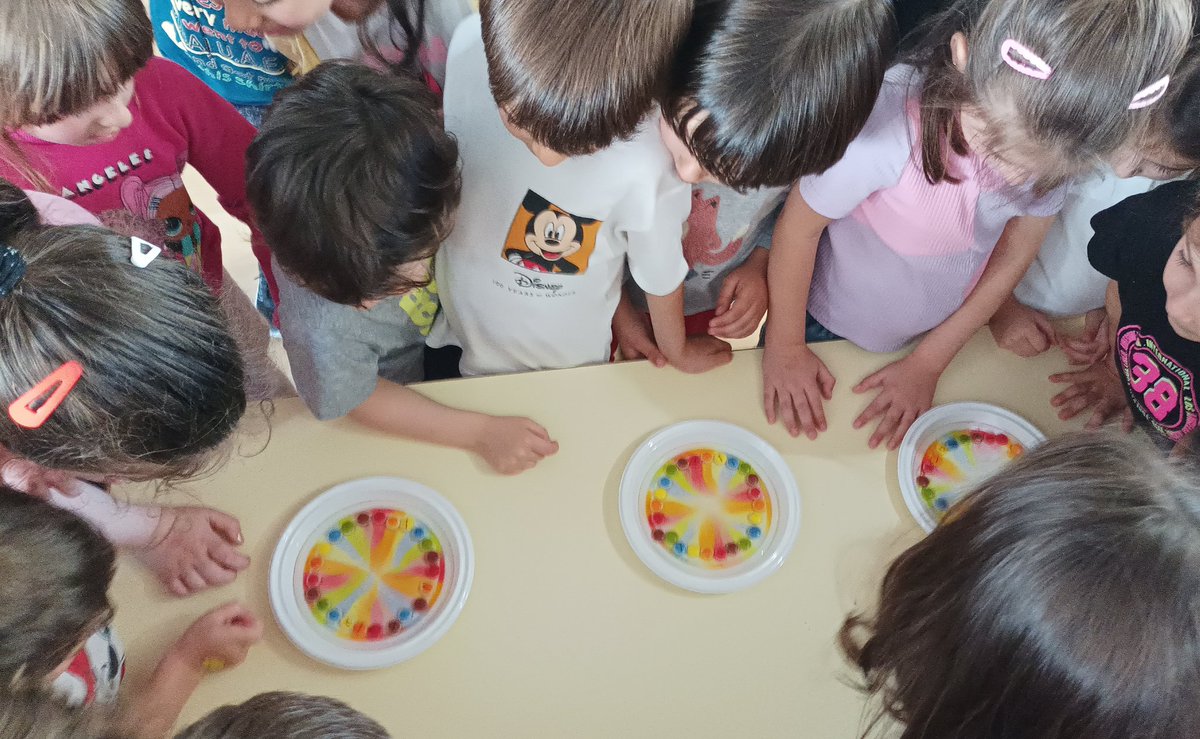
[[958, 50]]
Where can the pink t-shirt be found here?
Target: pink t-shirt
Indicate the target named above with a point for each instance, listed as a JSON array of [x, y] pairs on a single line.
[[177, 120], [902, 255]]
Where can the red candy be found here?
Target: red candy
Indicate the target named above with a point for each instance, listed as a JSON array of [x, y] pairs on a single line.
[[420, 604], [755, 493], [657, 535], [378, 516], [432, 557], [363, 518], [657, 519], [718, 553], [374, 631], [433, 570], [752, 480], [922, 482], [731, 548], [312, 594], [393, 626], [1001, 438]]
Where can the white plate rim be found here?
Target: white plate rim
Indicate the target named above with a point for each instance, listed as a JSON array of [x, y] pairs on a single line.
[[336, 501], [715, 434], [1031, 436]]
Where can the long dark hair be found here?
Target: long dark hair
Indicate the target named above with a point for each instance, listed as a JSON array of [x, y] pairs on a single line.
[[1060, 599]]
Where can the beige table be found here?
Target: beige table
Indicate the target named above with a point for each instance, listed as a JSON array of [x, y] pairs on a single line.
[[566, 633]]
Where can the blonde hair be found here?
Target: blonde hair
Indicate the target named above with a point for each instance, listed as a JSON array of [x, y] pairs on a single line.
[[58, 59], [1102, 52]]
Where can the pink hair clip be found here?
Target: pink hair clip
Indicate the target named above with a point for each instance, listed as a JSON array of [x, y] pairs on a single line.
[[33, 408], [1019, 57], [1150, 94]]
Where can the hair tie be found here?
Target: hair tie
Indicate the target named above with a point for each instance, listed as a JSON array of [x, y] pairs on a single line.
[[1150, 94], [1019, 56], [12, 269]]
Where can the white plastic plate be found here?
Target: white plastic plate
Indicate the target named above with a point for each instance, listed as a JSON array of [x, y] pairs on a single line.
[[940, 421], [768, 551], [314, 523]]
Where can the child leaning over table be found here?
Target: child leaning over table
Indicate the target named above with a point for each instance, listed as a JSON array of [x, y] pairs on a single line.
[[358, 298], [553, 209], [55, 572], [742, 117]]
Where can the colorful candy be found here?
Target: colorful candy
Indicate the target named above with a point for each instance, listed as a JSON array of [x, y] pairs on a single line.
[[958, 460], [373, 574], [708, 508]]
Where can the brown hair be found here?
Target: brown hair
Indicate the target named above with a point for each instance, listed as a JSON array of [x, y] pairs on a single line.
[[291, 715], [162, 382], [1102, 53], [26, 713], [784, 85], [579, 74], [375, 140], [1059, 599], [58, 59], [55, 571]]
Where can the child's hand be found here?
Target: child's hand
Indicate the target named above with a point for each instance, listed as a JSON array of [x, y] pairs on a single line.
[[635, 338], [1091, 345], [1096, 387], [218, 639], [906, 389], [33, 479], [702, 353], [1022, 330], [195, 548], [511, 445], [795, 381], [741, 304]]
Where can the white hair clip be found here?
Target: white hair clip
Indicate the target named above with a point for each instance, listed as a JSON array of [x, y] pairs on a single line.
[[142, 252], [1150, 94], [1019, 57]]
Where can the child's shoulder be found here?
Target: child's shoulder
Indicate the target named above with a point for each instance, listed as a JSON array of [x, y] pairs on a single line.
[[166, 73]]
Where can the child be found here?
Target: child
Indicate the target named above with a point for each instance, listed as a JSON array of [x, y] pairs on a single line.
[[1061, 282], [160, 391], [242, 68], [358, 299], [1149, 247], [311, 31], [96, 120], [1060, 599], [57, 572], [531, 274], [939, 206], [291, 715], [766, 91]]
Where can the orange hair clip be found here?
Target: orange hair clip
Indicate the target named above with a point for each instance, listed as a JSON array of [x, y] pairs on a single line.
[[33, 408]]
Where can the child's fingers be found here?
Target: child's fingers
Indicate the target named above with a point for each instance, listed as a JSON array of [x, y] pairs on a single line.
[[1073, 407], [769, 400], [214, 574], [790, 413], [817, 408], [886, 425], [226, 525], [1045, 329], [726, 295], [228, 558], [1073, 391], [826, 381], [193, 581], [543, 447], [873, 410], [870, 382], [804, 414], [1068, 377], [176, 587], [906, 420]]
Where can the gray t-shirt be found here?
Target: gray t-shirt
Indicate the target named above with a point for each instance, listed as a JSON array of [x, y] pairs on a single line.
[[723, 228], [338, 352]]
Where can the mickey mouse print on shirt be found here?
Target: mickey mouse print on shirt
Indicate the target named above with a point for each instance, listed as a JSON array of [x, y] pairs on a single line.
[[545, 238]]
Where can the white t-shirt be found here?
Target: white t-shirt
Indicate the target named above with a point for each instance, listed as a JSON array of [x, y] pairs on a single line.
[[1061, 281], [531, 274]]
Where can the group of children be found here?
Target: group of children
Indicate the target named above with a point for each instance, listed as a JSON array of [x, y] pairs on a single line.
[[553, 183]]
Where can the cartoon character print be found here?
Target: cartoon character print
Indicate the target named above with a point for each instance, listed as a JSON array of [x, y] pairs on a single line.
[[702, 247], [421, 305], [550, 237], [95, 672], [1163, 388], [166, 200]]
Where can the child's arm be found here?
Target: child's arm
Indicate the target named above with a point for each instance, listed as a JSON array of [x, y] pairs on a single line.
[[692, 354], [906, 386], [508, 444], [794, 380], [743, 299], [1098, 386], [188, 548], [217, 640], [632, 334], [1022, 330]]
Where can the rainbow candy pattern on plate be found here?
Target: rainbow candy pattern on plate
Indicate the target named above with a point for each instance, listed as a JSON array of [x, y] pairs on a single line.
[[958, 460], [708, 509], [373, 575]]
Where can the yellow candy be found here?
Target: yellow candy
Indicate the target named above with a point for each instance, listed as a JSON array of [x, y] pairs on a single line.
[[693, 551], [660, 494], [755, 518], [323, 548]]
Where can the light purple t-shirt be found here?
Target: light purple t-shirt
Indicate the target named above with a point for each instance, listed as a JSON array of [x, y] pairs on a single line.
[[902, 255]]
